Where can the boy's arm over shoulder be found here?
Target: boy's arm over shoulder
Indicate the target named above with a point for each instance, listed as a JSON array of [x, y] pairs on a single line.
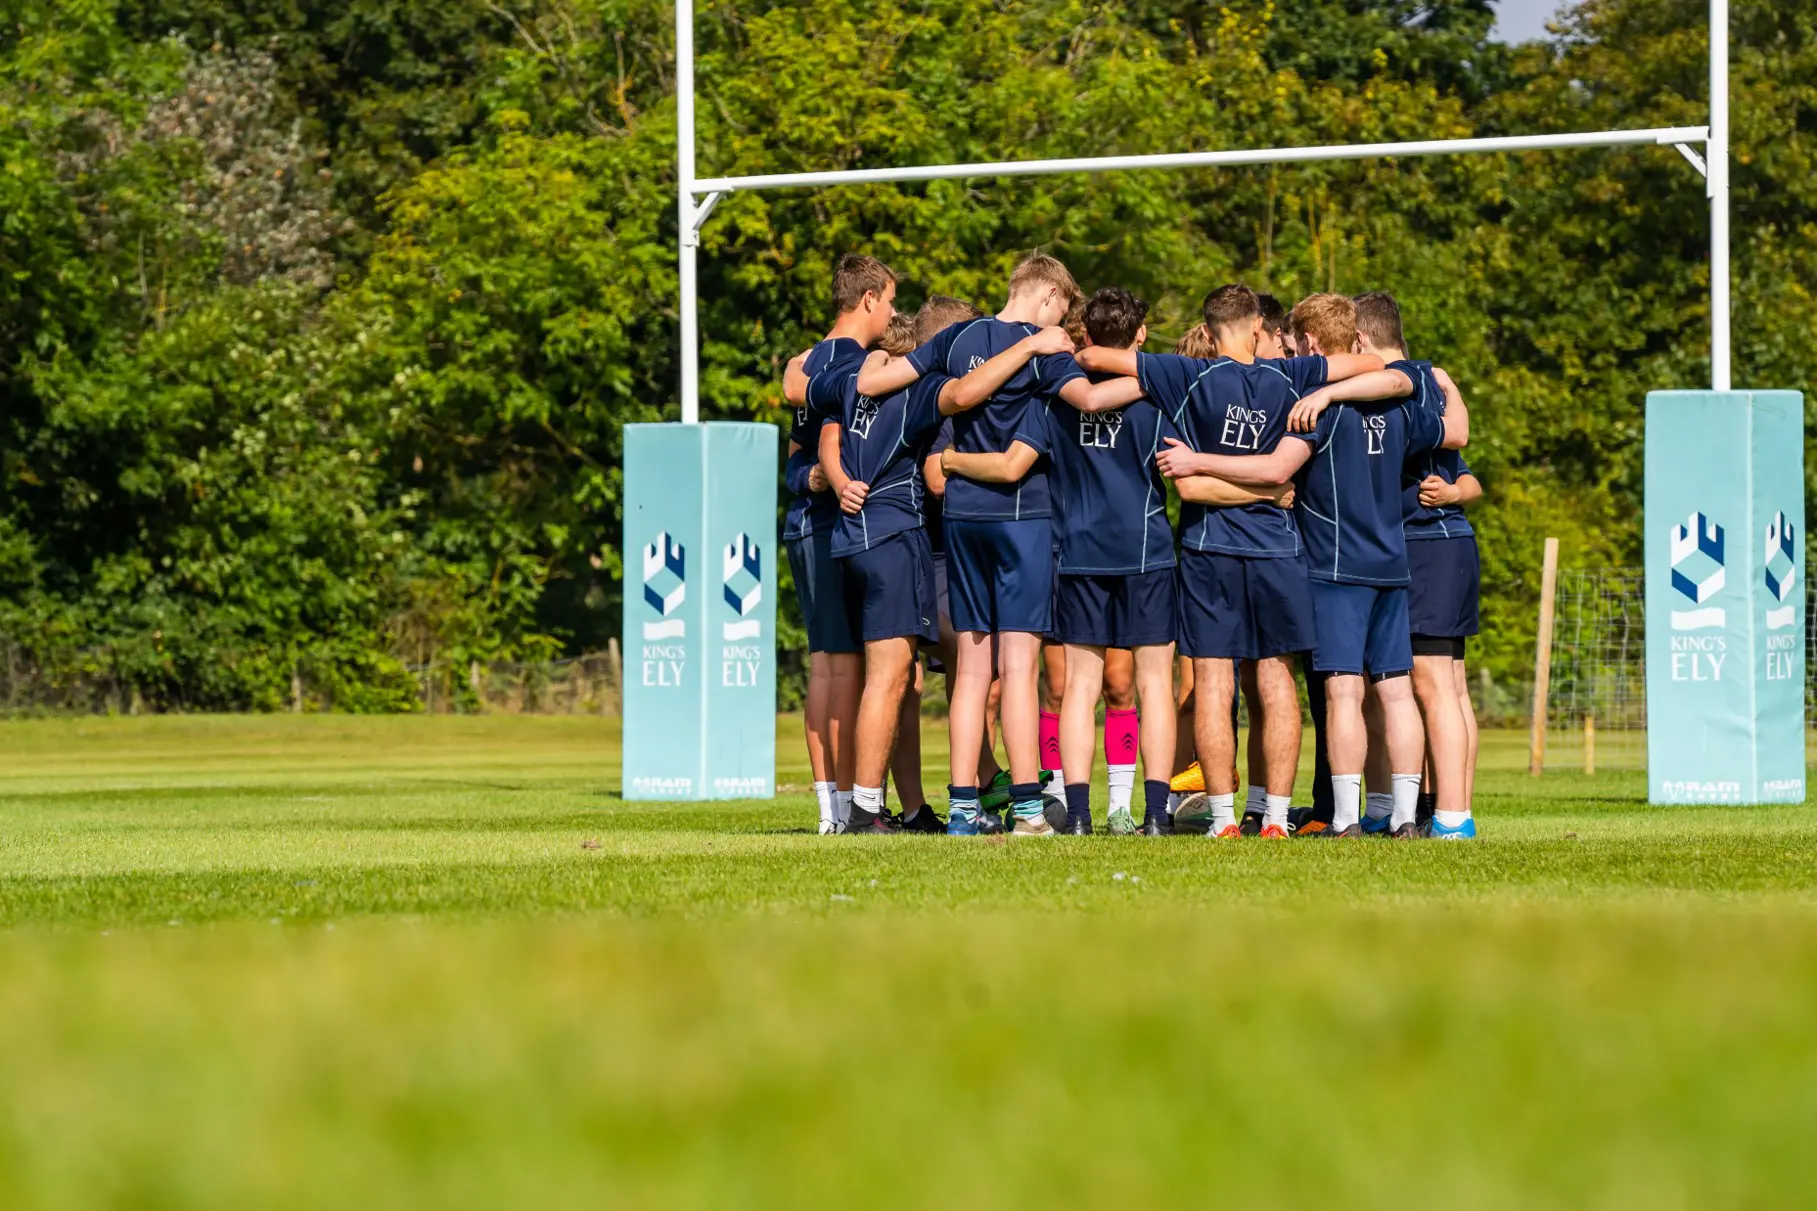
[[795, 380], [1009, 467], [1457, 413], [980, 384], [1340, 366]]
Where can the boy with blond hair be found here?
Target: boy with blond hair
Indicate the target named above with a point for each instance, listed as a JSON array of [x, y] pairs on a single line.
[[999, 536], [1349, 504], [1245, 594]]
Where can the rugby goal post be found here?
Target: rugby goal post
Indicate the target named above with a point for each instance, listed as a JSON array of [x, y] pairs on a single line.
[[674, 730]]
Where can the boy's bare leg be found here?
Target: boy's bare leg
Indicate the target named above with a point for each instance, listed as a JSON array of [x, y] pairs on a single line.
[[1406, 749], [965, 720], [1078, 739], [1347, 746], [817, 721], [1153, 667], [1469, 712], [1019, 665], [1447, 738], [1281, 729], [887, 664], [905, 762], [1214, 691], [848, 688], [1256, 747], [1122, 727]]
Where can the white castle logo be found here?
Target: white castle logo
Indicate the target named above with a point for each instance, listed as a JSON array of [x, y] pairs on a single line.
[[742, 571], [1781, 572], [1695, 577], [665, 586]]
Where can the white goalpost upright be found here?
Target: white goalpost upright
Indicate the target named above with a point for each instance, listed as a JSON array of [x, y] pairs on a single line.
[[700, 696]]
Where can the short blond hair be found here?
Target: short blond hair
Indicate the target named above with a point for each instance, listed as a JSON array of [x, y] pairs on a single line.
[[1329, 319], [1195, 342], [941, 311], [899, 338], [1038, 271]]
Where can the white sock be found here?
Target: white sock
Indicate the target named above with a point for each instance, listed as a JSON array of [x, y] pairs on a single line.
[[1223, 811], [1406, 798], [1379, 803], [1451, 819], [870, 798], [1346, 793], [1258, 800], [842, 806], [1056, 785], [1275, 808], [1173, 801], [823, 796], [1122, 787]]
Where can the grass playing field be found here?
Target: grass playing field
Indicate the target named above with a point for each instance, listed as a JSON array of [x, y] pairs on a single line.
[[281, 962]]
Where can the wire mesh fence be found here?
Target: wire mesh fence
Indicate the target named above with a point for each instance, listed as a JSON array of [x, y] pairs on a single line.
[[581, 685], [1596, 710]]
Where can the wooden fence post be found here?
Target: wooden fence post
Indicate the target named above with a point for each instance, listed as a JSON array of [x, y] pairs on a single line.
[[615, 667], [1542, 659], [1589, 744]]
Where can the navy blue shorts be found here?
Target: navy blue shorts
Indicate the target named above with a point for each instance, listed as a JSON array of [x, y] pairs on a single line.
[[1137, 610], [889, 590], [1361, 629], [820, 588], [1000, 575], [1236, 608], [1447, 579]]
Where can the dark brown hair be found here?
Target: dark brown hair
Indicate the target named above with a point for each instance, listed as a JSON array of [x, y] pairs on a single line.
[[1227, 305], [1274, 316], [1378, 317], [857, 275], [1113, 316]]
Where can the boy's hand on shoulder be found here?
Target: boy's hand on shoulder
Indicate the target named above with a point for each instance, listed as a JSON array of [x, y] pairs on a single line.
[[817, 481], [1177, 461], [852, 499], [1305, 415], [1435, 492], [1049, 341], [1091, 358]]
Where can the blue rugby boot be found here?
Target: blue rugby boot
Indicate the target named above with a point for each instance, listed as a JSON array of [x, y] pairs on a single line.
[[1463, 832]]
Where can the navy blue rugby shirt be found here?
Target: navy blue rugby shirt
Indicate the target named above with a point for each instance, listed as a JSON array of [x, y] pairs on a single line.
[[1430, 521], [990, 427], [1226, 407], [1348, 496], [1107, 487], [881, 443], [815, 512]]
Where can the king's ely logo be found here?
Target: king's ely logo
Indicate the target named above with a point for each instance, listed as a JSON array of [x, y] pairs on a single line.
[[665, 586], [742, 570], [1781, 572], [1698, 572]]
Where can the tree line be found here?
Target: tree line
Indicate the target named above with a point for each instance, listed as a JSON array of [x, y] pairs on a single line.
[[319, 322]]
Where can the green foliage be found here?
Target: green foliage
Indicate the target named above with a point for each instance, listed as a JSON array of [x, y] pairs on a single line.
[[319, 322]]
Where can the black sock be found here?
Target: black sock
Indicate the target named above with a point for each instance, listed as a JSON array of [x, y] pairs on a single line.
[[1078, 800], [1154, 799], [1024, 792], [1428, 805]]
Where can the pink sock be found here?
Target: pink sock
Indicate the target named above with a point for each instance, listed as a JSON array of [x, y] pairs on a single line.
[[1122, 738], [1050, 740]]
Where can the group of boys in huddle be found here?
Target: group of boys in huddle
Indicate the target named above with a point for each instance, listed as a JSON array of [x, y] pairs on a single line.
[[995, 489]]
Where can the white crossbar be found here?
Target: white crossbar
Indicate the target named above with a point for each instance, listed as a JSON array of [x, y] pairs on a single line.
[[1207, 159]]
